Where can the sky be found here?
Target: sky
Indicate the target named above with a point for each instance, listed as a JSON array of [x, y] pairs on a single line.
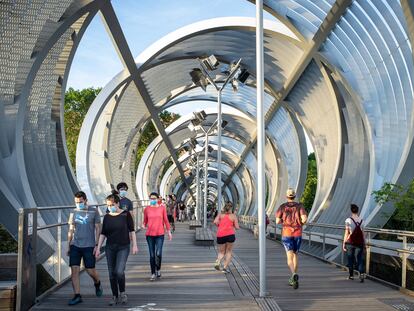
[[144, 22]]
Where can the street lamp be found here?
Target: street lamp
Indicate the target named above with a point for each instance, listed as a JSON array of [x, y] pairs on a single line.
[[195, 125], [235, 75]]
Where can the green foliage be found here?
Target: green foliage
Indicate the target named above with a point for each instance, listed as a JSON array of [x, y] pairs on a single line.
[[7, 243], [77, 103], [150, 133], [402, 197], [309, 192]]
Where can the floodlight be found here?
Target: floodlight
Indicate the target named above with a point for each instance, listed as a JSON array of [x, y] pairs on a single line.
[[210, 148], [224, 123], [198, 78], [200, 115], [211, 62], [243, 76]]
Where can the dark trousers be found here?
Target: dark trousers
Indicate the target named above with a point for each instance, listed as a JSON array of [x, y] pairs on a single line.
[[116, 256], [155, 244], [352, 252]]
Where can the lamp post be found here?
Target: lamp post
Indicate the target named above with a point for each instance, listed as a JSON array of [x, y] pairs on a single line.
[[207, 65]]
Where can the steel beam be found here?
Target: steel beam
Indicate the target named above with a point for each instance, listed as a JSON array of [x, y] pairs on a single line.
[[120, 43]]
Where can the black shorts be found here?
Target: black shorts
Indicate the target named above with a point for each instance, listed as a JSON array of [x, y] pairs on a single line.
[[226, 239], [77, 253], [170, 219]]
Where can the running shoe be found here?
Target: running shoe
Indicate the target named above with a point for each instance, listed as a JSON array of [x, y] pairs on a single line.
[[75, 300], [124, 298], [113, 301], [295, 281], [226, 270], [361, 277], [291, 281], [98, 289], [158, 274], [351, 277], [217, 265], [152, 278]]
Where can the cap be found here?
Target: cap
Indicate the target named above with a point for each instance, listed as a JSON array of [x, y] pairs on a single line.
[[290, 193]]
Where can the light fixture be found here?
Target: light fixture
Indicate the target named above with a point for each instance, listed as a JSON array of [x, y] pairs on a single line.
[[211, 62], [224, 123], [198, 78], [243, 76], [200, 115]]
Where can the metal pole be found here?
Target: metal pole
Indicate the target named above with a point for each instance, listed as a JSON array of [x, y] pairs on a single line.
[[219, 117], [260, 147], [198, 189], [205, 181], [59, 249]]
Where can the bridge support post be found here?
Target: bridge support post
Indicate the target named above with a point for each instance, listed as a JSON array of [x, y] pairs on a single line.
[[368, 256], [26, 259], [404, 257]]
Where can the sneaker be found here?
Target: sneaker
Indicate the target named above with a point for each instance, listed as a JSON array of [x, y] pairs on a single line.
[[124, 298], [217, 265], [75, 300], [158, 273], [98, 289], [295, 281], [291, 281], [351, 277], [152, 278], [113, 301], [226, 270], [361, 277]]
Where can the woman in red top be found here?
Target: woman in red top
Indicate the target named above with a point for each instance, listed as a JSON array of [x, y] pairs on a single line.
[[155, 221], [226, 223]]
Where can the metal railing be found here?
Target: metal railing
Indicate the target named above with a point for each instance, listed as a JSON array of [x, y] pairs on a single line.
[[53, 240], [324, 241]]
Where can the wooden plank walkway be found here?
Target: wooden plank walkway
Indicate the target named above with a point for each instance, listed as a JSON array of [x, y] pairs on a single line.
[[189, 282], [322, 286]]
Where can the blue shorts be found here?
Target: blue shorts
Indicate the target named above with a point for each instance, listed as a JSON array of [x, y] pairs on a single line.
[[77, 253], [292, 243]]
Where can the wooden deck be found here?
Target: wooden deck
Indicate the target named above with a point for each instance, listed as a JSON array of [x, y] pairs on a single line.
[[189, 282], [322, 286]]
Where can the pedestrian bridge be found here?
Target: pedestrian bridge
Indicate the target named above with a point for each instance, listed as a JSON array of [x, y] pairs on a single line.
[[332, 76], [189, 282]]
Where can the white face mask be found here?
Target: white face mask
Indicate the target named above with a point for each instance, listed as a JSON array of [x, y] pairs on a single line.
[[123, 193]]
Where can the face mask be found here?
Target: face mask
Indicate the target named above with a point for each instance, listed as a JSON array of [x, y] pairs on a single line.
[[123, 193], [153, 202], [80, 205], [112, 209]]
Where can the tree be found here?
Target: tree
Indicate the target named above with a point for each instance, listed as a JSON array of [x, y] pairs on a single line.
[[77, 103], [402, 197], [309, 192]]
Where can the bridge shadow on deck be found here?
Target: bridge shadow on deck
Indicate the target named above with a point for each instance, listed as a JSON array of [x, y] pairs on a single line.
[[189, 282]]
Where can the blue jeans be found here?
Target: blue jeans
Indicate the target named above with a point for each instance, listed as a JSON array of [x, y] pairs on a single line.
[[352, 252], [116, 257], [155, 244]]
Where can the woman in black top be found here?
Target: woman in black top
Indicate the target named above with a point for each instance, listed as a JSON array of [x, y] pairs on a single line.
[[118, 229]]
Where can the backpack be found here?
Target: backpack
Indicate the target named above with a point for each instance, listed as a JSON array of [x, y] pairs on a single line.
[[357, 236]]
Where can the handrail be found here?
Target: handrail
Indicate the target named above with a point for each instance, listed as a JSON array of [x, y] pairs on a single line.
[[27, 246], [403, 252]]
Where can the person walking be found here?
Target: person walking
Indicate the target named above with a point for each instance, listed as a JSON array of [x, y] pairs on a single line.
[[155, 222], [227, 223], [292, 216], [118, 230], [354, 243], [84, 229], [124, 203], [181, 207], [171, 211]]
